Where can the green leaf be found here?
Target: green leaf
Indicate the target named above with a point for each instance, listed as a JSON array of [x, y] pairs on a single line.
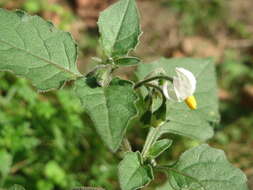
[[158, 148], [127, 61], [110, 108], [6, 161], [54, 172], [119, 28], [205, 168], [16, 187], [132, 173], [34, 48], [183, 121]]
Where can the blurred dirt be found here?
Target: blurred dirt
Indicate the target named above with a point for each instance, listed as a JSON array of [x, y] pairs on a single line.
[[165, 38], [88, 10], [158, 38]]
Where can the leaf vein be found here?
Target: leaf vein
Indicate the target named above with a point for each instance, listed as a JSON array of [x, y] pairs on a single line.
[[43, 42], [67, 56], [41, 58], [120, 26]]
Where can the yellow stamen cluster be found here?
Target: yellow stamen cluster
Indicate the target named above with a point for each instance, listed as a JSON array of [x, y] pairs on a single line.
[[191, 102]]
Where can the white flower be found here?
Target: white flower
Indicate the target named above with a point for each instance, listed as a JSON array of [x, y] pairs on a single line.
[[182, 89]]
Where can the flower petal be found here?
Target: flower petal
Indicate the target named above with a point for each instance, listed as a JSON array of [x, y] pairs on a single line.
[[184, 83], [169, 92], [187, 75]]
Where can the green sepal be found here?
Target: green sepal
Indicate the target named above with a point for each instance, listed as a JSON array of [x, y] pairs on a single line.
[[158, 148]]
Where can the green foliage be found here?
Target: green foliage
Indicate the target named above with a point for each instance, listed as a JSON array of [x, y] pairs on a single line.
[[5, 167], [101, 75], [55, 173], [16, 187], [32, 6], [40, 129], [181, 120], [158, 148], [198, 16], [64, 14], [205, 168], [119, 28], [29, 149], [133, 174], [36, 50], [110, 108]]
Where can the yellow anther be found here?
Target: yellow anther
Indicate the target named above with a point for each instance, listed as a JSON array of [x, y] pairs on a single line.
[[191, 102]]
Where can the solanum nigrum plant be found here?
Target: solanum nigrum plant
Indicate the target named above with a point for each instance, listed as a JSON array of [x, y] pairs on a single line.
[[176, 96]]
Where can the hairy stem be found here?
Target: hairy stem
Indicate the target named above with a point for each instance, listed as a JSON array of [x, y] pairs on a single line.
[[126, 146], [139, 84]]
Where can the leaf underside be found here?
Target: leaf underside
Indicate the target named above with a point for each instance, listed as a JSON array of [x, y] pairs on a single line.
[[110, 108], [33, 48]]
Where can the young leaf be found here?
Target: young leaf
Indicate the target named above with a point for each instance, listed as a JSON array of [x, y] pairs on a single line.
[[205, 168], [34, 48], [132, 173], [127, 61], [119, 28], [102, 74], [158, 148], [183, 121], [110, 108]]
